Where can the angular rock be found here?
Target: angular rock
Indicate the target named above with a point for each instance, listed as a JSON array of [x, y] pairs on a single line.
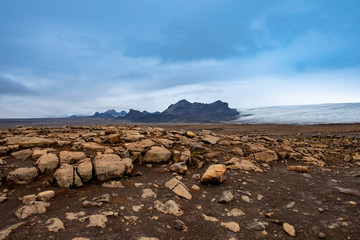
[[165, 142], [289, 229], [226, 197], [179, 167], [97, 221], [238, 151], [232, 226], [55, 224], [6, 232], [46, 196], [257, 226], [71, 157], [157, 154], [266, 156], [108, 166], [148, 192], [209, 218], [32, 208], [65, 175], [190, 134], [27, 142], [4, 150], [170, 207], [74, 216], [244, 164], [214, 174], [114, 138], [22, 175], [179, 225], [210, 139], [23, 154], [93, 146], [47, 162], [139, 146], [28, 198], [235, 212], [85, 170], [178, 188], [38, 153]]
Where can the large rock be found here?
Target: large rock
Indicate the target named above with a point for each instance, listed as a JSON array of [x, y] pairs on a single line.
[[210, 139], [232, 226], [55, 224], [139, 146], [65, 175], [244, 164], [32, 208], [157, 155], [23, 154], [266, 156], [93, 146], [3, 150], [71, 157], [178, 188], [85, 170], [47, 162], [27, 142], [108, 166], [22, 175], [46, 196], [38, 153], [214, 174]]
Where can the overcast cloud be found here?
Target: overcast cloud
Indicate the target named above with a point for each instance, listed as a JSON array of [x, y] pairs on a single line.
[[60, 58]]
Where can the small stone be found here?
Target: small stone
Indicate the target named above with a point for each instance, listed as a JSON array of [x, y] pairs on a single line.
[[169, 207], [6, 232], [179, 225], [97, 221], [270, 214], [46, 196], [147, 192], [246, 199], [215, 174], [226, 197], [137, 208], [179, 167], [289, 229], [352, 203], [74, 216], [322, 235], [257, 226], [299, 169], [195, 187], [32, 208], [235, 212], [209, 218], [55, 224], [232, 226]]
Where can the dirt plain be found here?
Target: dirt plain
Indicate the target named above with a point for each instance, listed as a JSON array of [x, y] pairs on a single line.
[[319, 199]]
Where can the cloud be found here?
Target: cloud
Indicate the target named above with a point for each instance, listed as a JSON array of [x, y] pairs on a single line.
[[10, 87]]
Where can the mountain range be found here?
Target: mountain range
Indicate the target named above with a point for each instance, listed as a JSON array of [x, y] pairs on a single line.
[[182, 111]]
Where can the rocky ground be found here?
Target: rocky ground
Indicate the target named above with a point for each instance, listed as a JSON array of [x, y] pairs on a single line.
[[180, 182]]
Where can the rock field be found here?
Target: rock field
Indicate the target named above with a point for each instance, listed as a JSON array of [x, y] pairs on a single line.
[[140, 182]]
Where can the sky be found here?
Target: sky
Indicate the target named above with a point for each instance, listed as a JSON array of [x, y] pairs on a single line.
[[59, 58]]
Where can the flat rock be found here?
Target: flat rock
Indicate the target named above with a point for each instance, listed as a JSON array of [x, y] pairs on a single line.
[[169, 207], [47, 162], [298, 168], [23, 154], [244, 165], [38, 153], [235, 212], [139, 146], [32, 208], [74, 216], [178, 188], [214, 174], [27, 142], [266, 156], [108, 166], [148, 192], [97, 220], [289, 229], [157, 154], [6, 232], [55, 224], [209, 218], [93, 146], [71, 157], [210, 139], [22, 175], [232, 226]]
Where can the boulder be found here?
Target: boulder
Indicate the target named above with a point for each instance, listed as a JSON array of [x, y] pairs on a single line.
[[266, 156], [157, 155], [71, 157], [114, 138], [47, 162], [85, 170], [214, 174], [55, 224], [65, 175], [22, 175], [108, 166], [139, 146], [23, 154]]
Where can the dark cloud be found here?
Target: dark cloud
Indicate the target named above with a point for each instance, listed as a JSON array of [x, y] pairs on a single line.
[[10, 87]]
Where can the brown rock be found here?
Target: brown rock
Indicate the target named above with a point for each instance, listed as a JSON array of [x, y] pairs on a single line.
[[47, 162], [157, 155], [210, 139], [31, 208], [108, 166], [266, 156], [38, 153], [179, 167], [71, 157], [114, 138], [139, 146], [214, 174], [27, 142], [299, 169], [65, 175], [238, 151], [23, 154], [22, 175], [85, 170], [289, 229]]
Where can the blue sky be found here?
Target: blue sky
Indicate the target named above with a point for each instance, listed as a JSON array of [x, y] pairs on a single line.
[[65, 57]]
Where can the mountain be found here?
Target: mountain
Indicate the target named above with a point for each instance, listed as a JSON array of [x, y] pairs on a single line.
[[184, 111], [109, 114]]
